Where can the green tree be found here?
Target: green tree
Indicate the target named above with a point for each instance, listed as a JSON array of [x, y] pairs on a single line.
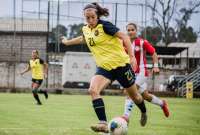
[[186, 34], [75, 30], [59, 30], [171, 35], [153, 34]]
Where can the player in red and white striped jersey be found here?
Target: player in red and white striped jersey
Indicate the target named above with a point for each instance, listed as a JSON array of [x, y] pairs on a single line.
[[140, 48]]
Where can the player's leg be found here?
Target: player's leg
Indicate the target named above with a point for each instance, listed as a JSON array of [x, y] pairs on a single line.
[[42, 91], [138, 100], [126, 78], [157, 101], [35, 87], [97, 84], [128, 106]]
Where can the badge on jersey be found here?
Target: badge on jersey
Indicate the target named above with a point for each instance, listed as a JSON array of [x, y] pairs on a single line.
[[96, 33], [137, 48]]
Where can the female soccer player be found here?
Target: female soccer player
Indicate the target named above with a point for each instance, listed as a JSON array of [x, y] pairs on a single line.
[[103, 40], [140, 48], [39, 72]]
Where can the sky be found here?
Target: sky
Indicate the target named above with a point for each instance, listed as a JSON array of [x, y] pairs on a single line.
[[136, 12]]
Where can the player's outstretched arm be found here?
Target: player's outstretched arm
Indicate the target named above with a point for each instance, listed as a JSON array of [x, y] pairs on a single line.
[[25, 70], [74, 41]]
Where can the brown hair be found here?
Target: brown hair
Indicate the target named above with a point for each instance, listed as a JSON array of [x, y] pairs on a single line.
[[36, 51], [100, 10], [133, 24]]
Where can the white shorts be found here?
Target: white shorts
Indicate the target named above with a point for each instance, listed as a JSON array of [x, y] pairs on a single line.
[[141, 81]]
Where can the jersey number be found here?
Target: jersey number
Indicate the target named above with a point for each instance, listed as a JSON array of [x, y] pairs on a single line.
[[129, 75], [91, 42]]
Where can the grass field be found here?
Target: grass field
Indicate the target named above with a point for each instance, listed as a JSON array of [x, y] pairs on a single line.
[[73, 115]]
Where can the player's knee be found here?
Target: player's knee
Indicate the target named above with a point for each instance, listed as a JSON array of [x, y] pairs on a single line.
[[146, 96], [93, 91], [137, 98], [34, 91]]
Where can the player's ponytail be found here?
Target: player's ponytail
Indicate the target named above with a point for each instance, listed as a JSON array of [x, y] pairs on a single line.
[[100, 10]]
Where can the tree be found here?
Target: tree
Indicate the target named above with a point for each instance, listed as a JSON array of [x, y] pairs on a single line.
[[163, 17], [187, 35], [185, 32], [162, 13], [186, 13], [153, 34], [171, 35], [75, 30], [57, 31], [54, 37]]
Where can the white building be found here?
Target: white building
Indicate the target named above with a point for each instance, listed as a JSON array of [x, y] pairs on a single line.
[[188, 58]]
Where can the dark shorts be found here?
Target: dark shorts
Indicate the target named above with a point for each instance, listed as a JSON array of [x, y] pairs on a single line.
[[124, 75], [38, 81]]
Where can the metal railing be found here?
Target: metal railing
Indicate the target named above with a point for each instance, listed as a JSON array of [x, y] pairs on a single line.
[[193, 77]]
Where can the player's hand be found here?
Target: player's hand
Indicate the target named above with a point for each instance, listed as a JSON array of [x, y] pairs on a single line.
[[133, 63], [156, 70], [63, 39]]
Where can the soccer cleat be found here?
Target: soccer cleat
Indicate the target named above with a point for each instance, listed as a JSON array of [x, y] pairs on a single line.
[[165, 108], [100, 127], [143, 119], [46, 94], [39, 103]]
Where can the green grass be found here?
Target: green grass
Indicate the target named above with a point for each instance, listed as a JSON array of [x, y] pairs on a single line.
[[73, 115]]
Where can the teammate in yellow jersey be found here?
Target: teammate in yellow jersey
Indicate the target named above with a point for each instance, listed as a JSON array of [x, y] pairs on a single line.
[[39, 72], [104, 41]]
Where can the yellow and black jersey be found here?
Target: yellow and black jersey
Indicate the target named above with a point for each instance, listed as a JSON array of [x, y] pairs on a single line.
[[37, 66], [106, 48]]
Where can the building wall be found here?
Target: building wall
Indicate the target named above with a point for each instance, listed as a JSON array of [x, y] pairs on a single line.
[[10, 77], [19, 49], [9, 73]]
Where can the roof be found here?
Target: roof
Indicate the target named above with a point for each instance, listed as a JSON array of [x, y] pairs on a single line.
[[193, 49], [162, 50], [25, 25]]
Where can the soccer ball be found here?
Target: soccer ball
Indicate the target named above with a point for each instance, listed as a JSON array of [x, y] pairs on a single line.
[[118, 126]]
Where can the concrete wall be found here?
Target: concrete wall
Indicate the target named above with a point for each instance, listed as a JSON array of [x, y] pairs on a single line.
[[10, 77], [19, 50]]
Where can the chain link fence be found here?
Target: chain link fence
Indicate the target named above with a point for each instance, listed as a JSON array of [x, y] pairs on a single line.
[[32, 24]]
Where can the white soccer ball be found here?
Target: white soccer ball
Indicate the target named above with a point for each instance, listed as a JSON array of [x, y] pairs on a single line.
[[118, 126]]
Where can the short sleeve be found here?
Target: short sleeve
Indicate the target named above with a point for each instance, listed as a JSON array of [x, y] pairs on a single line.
[[109, 28], [148, 47], [41, 61]]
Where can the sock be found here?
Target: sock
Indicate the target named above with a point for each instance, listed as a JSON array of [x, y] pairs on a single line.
[[155, 100], [142, 107], [99, 108], [35, 95], [43, 92], [129, 104]]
